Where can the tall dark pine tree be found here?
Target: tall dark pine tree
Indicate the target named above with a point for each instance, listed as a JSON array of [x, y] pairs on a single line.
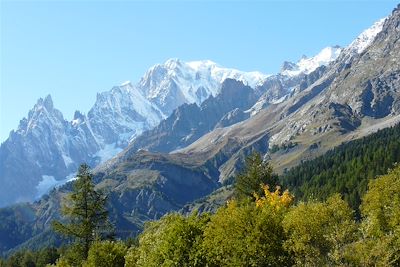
[[86, 217], [255, 173]]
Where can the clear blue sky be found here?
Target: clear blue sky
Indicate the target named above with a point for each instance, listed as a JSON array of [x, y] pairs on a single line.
[[74, 49]]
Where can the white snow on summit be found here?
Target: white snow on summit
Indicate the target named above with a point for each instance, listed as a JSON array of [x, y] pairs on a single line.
[[308, 65], [190, 82], [122, 112], [219, 73], [366, 37]]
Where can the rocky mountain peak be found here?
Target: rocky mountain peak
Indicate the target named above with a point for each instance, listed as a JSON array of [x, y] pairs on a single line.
[[287, 65], [365, 38], [392, 23], [230, 87], [78, 118], [173, 63], [307, 65], [78, 115], [43, 113], [48, 102]]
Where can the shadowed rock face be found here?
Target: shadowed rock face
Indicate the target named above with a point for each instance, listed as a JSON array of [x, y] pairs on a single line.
[[165, 184]]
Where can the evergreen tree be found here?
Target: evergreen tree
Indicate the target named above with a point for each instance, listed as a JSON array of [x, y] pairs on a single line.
[[255, 174], [85, 213]]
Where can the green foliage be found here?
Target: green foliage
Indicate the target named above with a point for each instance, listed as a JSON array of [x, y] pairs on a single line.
[[380, 229], [106, 254], [346, 169], [132, 257], [47, 256], [255, 173], [40, 258], [73, 255], [174, 240], [318, 232], [264, 231], [245, 235], [85, 213], [15, 225], [28, 260], [62, 262], [381, 204]]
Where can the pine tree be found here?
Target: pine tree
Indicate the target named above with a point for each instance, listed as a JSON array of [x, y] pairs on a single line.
[[255, 174], [86, 217]]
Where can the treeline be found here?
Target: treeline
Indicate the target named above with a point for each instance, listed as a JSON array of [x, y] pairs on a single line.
[[262, 226], [28, 258], [346, 169]]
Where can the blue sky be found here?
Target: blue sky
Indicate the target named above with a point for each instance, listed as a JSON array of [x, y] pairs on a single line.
[[74, 49]]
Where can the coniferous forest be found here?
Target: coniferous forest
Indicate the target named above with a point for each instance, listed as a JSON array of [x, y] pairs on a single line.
[[346, 169]]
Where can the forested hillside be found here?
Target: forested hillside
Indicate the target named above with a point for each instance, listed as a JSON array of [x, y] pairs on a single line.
[[262, 229], [347, 168]]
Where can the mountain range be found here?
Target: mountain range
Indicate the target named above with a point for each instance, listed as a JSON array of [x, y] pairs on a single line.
[[185, 128], [46, 149]]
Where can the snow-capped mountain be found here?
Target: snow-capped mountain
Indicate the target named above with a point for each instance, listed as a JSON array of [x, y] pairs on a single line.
[[121, 114], [307, 65], [366, 37], [290, 80], [294, 77], [175, 82]]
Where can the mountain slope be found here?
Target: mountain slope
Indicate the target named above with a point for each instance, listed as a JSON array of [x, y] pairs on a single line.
[[352, 95], [347, 168]]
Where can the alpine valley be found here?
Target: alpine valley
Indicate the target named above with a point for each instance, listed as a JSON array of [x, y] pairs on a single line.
[[174, 140]]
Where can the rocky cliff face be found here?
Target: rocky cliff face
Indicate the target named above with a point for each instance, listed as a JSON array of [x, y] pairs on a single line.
[[357, 87]]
